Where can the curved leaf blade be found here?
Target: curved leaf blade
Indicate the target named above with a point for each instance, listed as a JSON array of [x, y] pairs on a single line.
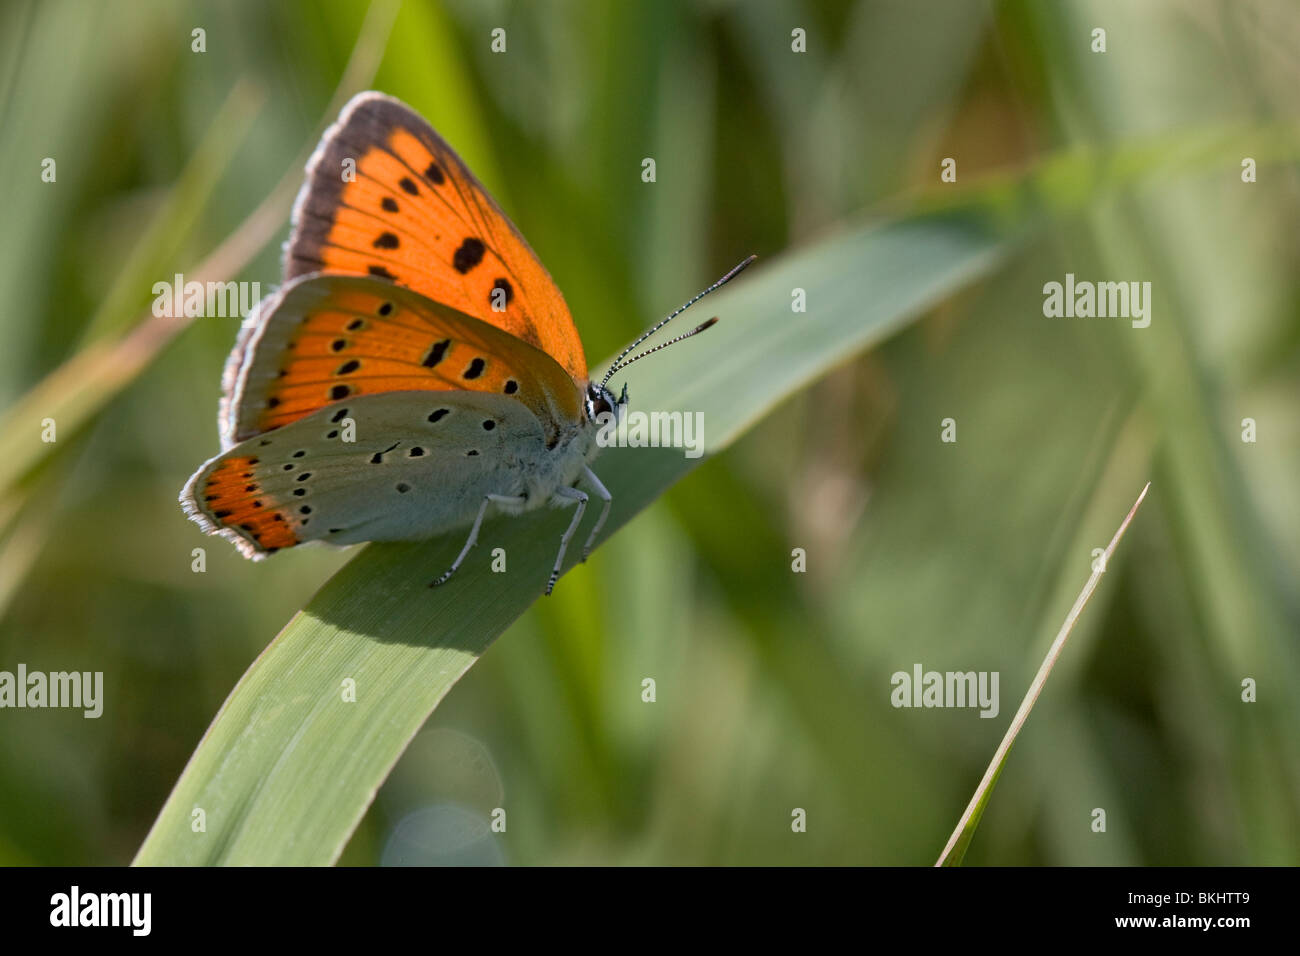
[[287, 768]]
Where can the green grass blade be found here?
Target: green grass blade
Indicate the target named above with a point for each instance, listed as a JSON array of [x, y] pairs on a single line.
[[180, 212], [288, 767], [955, 851], [115, 350]]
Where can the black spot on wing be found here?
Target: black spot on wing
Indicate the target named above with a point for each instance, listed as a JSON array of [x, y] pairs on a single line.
[[437, 353], [468, 255]]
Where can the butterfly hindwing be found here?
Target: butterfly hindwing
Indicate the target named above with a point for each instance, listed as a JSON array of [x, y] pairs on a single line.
[[418, 463], [326, 339], [386, 196]]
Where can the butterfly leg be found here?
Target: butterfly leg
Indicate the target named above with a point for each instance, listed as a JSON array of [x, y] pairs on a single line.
[[473, 532], [563, 495], [604, 494]]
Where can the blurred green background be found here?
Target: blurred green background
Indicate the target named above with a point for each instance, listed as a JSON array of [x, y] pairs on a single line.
[[773, 688]]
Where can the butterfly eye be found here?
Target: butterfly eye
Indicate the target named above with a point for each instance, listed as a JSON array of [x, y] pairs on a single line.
[[599, 402]]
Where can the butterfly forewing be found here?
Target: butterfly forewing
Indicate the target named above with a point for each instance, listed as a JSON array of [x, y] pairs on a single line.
[[327, 339], [387, 197]]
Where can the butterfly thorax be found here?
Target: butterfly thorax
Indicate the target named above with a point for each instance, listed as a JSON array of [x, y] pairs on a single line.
[[576, 445]]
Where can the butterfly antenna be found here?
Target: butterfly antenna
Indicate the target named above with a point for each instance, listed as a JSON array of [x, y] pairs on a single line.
[[620, 364], [662, 345]]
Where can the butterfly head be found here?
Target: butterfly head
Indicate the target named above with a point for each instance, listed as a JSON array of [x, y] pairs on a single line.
[[601, 401]]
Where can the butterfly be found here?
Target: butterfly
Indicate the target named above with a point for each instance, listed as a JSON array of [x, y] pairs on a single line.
[[417, 368]]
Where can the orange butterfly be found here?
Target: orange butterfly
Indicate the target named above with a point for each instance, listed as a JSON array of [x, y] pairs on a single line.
[[418, 366]]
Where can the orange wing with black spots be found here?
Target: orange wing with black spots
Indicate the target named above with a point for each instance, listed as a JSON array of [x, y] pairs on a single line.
[[387, 197], [323, 340]]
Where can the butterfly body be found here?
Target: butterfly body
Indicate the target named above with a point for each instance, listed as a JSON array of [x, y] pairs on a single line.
[[417, 369]]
